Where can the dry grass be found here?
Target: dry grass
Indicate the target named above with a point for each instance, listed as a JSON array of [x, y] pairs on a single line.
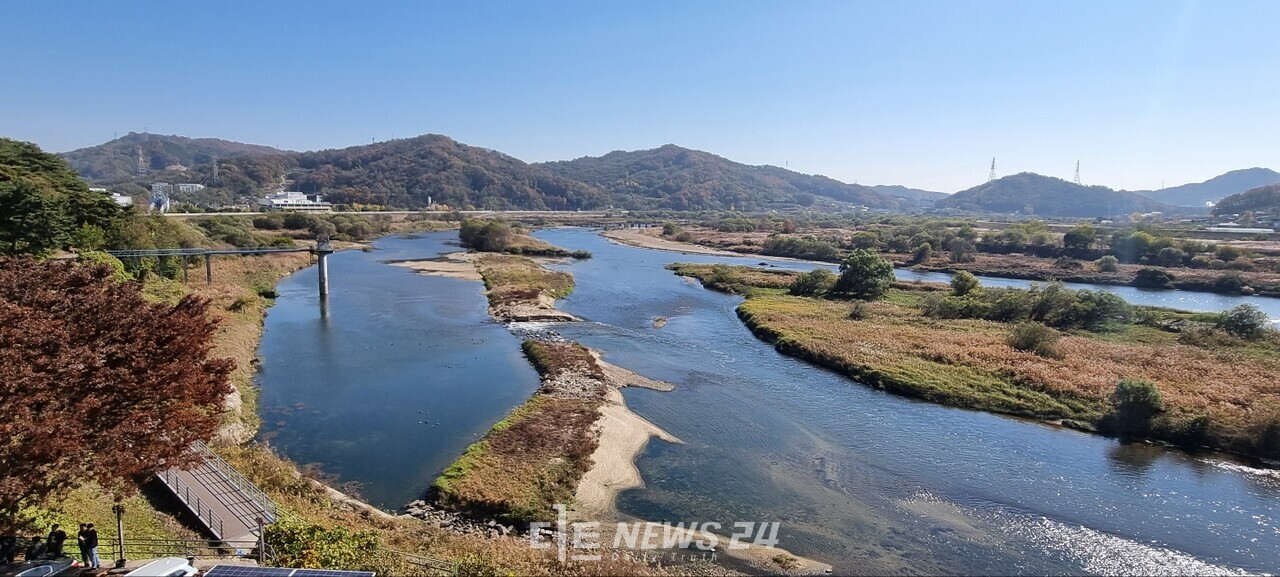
[[969, 363], [535, 457], [506, 273]]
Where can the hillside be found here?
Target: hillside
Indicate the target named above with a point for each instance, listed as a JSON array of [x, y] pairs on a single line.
[[671, 177], [404, 173], [1030, 193], [1260, 199], [911, 193], [1215, 189], [116, 161]]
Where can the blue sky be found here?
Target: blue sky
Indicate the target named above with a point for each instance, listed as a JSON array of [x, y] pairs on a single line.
[[916, 93]]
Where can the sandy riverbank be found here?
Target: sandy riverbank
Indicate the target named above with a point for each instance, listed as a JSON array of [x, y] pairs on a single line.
[[460, 265], [637, 238]]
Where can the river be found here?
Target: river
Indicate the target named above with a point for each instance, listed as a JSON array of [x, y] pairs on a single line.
[[867, 481]]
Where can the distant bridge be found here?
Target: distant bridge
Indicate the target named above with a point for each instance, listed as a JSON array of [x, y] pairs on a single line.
[[321, 250]]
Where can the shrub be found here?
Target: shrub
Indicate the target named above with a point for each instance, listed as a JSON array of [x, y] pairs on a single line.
[[964, 283], [1169, 256], [269, 222], [1035, 338], [962, 250], [1241, 263], [581, 254], [812, 283], [297, 221], [671, 229], [282, 241], [486, 235], [1200, 261], [1244, 321], [1227, 253], [303, 544], [1153, 278], [1067, 263], [807, 247], [1107, 263], [859, 311], [922, 253], [864, 275], [100, 258], [684, 236], [1229, 282], [1134, 404]]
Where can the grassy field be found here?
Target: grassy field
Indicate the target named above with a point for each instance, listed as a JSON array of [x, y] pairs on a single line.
[[1218, 391], [534, 458]]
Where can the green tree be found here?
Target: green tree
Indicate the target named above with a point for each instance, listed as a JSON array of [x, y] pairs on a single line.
[[962, 250], [44, 203], [1080, 238], [1107, 263], [1244, 321], [864, 275], [964, 283], [812, 283], [1134, 404]]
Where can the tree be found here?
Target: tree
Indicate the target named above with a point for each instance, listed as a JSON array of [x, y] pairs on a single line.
[[962, 250], [1244, 321], [922, 253], [1107, 263], [1035, 338], [812, 283], [44, 203], [1153, 278], [1080, 238], [864, 275], [96, 383], [1134, 404], [964, 283]]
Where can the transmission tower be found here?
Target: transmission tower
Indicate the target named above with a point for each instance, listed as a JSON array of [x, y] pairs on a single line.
[[215, 170], [1078, 173], [992, 176], [142, 164]]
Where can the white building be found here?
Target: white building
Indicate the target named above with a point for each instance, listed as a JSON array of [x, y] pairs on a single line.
[[189, 187], [294, 201]]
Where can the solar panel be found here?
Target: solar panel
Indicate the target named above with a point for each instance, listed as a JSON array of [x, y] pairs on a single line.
[[247, 571], [255, 571]]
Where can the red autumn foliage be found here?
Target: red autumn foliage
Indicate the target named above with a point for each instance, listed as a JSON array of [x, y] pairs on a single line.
[[96, 383]]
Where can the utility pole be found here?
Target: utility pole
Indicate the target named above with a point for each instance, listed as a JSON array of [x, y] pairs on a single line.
[[1078, 173]]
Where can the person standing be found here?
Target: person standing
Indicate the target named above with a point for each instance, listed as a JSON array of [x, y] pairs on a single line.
[[56, 538], [8, 547], [84, 551], [91, 544]]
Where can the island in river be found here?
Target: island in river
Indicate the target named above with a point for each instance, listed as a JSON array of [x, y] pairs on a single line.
[[1215, 390]]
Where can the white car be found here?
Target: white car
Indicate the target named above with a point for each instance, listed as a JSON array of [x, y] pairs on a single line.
[[165, 567]]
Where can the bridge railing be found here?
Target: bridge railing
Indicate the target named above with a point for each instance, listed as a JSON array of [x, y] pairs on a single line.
[[259, 499], [201, 509], [199, 548]]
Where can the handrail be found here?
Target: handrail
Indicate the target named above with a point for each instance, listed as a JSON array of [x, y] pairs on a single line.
[[264, 503], [212, 548], [206, 515]]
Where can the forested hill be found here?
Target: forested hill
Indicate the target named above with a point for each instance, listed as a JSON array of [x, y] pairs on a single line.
[[1261, 199], [116, 161], [678, 178], [1214, 189], [1029, 193], [911, 193], [404, 173]]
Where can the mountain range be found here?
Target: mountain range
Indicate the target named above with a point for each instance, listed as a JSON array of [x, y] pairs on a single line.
[[1199, 194], [412, 173], [1034, 194]]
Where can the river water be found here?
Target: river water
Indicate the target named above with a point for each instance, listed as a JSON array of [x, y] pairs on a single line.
[[867, 481]]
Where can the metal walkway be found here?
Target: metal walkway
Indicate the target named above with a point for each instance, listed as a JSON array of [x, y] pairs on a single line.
[[226, 503]]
